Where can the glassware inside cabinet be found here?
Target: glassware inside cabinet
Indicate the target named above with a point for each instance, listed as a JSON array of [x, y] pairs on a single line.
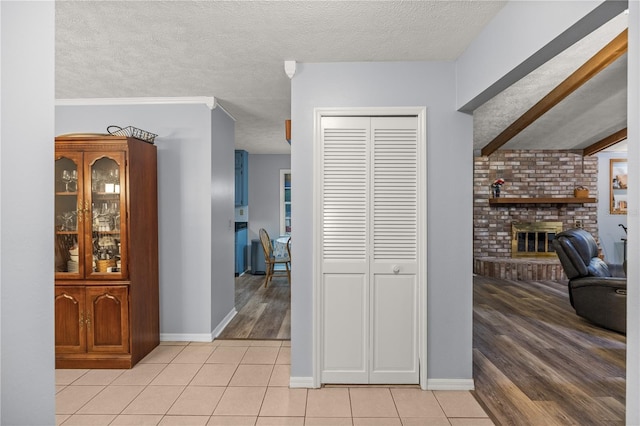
[[105, 215], [67, 215]]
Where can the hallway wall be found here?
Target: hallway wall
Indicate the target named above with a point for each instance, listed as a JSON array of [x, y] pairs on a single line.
[[449, 184]]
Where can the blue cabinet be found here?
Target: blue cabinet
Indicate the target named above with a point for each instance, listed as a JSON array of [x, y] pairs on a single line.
[[242, 178], [241, 249]]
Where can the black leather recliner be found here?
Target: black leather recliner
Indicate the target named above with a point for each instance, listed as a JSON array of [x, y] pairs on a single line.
[[594, 293]]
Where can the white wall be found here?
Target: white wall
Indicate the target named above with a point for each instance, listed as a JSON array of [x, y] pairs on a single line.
[[449, 195], [264, 194], [609, 232], [188, 183], [26, 218]]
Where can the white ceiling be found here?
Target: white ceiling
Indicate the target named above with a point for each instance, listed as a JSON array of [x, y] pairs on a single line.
[[235, 51]]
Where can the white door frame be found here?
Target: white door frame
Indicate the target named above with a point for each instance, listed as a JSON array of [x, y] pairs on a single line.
[[421, 113]]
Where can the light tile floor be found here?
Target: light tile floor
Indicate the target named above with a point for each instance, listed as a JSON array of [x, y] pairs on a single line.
[[243, 382]]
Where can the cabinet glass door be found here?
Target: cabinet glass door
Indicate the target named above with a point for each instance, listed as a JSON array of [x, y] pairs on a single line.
[[106, 257], [68, 216]]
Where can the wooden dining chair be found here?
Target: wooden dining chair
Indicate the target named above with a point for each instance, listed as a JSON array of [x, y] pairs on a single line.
[[271, 260]]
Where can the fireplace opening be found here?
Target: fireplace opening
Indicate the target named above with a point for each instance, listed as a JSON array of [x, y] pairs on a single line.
[[534, 239]]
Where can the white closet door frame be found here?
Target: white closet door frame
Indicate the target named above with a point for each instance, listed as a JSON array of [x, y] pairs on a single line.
[[420, 113]]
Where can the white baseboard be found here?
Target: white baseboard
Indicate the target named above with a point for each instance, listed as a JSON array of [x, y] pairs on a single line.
[[199, 337], [186, 337], [450, 384], [225, 322], [432, 384], [301, 382]]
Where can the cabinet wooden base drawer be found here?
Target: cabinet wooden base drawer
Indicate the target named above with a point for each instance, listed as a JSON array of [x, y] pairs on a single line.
[[112, 361]]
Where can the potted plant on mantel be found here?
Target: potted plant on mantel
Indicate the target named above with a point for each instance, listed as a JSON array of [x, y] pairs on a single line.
[[495, 187]]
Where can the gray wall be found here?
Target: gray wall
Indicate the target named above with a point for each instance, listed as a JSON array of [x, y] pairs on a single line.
[[398, 84], [27, 73], [264, 193], [26, 218], [609, 232], [449, 214], [188, 184], [633, 271], [222, 216]]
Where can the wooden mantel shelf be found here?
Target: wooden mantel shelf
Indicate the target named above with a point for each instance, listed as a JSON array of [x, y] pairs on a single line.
[[541, 200]]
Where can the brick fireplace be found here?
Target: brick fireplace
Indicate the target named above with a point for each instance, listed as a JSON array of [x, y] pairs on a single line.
[[528, 174]]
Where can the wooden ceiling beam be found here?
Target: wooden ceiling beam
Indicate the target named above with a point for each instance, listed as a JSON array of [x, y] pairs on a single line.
[[605, 143], [605, 57]]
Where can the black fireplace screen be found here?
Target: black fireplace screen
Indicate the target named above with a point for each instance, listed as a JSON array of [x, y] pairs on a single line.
[[534, 239], [535, 242]]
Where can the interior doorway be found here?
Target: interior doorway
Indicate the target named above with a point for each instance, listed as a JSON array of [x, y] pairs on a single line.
[[264, 313]]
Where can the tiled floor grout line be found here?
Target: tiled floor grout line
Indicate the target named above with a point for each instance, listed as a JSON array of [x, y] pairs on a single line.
[[395, 405], [186, 386], [140, 393], [134, 398], [237, 366], [350, 403], [171, 361], [227, 386], [440, 405], [145, 387]]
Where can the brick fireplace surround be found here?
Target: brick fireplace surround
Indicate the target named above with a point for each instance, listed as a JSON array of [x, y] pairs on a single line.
[[528, 173]]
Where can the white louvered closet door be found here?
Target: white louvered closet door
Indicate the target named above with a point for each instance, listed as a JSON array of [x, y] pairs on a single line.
[[369, 249], [345, 249]]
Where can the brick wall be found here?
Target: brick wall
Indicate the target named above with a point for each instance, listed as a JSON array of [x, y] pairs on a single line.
[[532, 173]]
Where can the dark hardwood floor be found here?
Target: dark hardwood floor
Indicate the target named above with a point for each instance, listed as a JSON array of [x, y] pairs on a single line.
[[263, 313], [537, 363]]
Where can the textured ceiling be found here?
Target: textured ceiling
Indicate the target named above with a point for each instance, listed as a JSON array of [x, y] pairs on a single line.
[[594, 111], [235, 50]]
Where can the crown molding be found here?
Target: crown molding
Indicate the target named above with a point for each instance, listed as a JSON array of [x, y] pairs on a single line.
[[211, 102]]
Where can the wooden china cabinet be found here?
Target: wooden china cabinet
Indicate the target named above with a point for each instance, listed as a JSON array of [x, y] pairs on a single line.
[[106, 251]]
